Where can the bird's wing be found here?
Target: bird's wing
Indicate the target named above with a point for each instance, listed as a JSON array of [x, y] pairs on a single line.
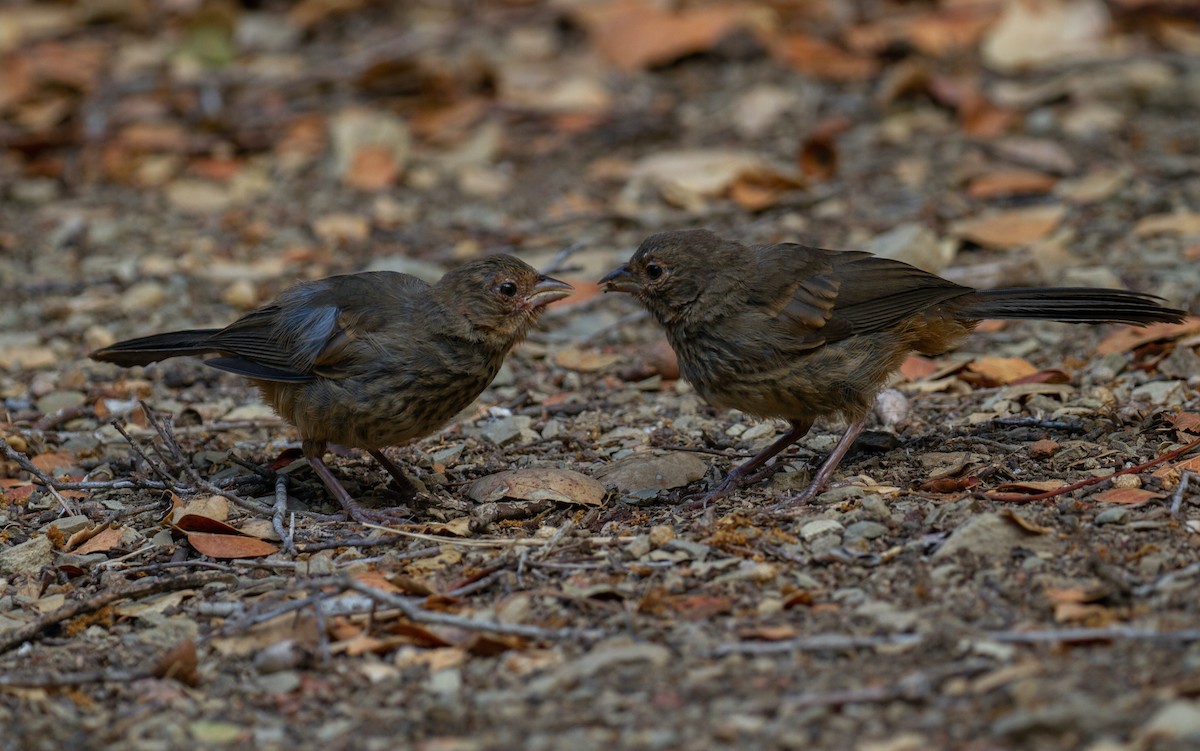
[[318, 329], [822, 296]]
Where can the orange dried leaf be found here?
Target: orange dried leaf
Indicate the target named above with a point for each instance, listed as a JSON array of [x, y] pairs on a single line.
[[1005, 229], [1062, 595], [1186, 421], [635, 35], [916, 367], [51, 461], [1051, 375], [1024, 523], [1031, 487], [825, 60], [1179, 223], [1174, 471], [373, 167], [230, 546], [101, 543], [1130, 496], [199, 523], [180, 664], [1131, 337], [1011, 182], [1001, 370]]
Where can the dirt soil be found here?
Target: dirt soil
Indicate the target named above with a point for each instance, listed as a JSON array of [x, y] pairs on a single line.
[[185, 582]]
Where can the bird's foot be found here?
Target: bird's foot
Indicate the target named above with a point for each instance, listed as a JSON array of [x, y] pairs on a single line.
[[794, 506], [354, 511]]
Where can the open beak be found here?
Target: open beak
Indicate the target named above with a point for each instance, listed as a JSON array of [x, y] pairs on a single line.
[[547, 290], [620, 280]]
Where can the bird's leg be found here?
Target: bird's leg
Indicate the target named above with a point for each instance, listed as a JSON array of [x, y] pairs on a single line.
[[314, 452], [406, 487], [827, 468], [738, 475]]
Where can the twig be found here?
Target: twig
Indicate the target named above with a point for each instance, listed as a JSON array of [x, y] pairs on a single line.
[[1016, 498], [47, 481], [285, 535], [165, 433], [40, 679], [31, 631], [58, 417], [556, 263], [1177, 496], [482, 582], [153, 465], [912, 687], [490, 543], [847, 642], [419, 615]]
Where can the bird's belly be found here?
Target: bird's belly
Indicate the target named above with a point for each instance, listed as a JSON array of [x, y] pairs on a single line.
[[837, 379], [375, 412]]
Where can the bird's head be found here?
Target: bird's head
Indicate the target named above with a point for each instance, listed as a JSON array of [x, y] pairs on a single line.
[[674, 273], [500, 295]]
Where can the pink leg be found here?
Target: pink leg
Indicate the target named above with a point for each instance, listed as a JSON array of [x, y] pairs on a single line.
[[313, 452], [826, 471], [407, 489], [740, 474]]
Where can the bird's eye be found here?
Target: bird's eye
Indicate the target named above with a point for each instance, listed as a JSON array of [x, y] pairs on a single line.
[[654, 271], [508, 289]]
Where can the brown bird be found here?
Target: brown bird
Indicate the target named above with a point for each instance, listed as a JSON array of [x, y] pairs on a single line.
[[372, 359], [798, 333]]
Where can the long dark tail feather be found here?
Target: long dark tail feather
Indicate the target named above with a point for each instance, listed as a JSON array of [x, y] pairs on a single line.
[[147, 349], [1068, 305]]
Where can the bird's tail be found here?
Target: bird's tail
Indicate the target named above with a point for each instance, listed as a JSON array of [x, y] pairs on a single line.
[[147, 349], [1068, 305]]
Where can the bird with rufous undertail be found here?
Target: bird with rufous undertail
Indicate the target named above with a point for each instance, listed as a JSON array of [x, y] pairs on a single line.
[[799, 333]]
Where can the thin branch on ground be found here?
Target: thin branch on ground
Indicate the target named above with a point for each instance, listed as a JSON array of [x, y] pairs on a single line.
[[1177, 496], [1017, 498], [31, 631], [847, 642], [419, 615], [285, 535], [46, 480]]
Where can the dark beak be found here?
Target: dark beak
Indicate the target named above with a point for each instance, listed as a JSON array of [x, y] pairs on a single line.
[[547, 290], [620, 280]]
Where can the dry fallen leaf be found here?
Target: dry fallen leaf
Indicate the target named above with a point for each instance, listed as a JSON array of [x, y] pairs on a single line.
[[1130, 496], [997, 371], [538, 484], [1046, 32], [230, 546], [1010, 182], [1024, 523], [101, 543], [585, 360], [635, 34], [1179, 223], [822, 59], [1005, 229], [1131, 337]]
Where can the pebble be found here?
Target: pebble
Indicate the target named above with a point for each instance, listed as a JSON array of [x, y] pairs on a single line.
[[864, 530], [648, 470], [68, 525], [1159, 392], [820, 528], [992, 536], [28, 558], [1177, 719], [56, 400], [505, 430], [143, 296], [1117, 515]]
